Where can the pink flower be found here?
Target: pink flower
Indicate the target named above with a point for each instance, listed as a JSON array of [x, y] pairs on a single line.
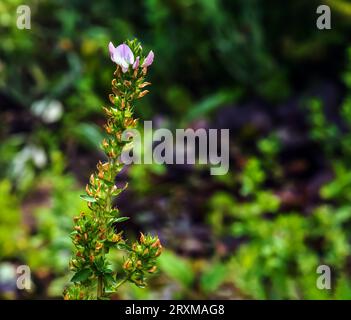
[[136, 63], [149, 59], [121, 55]]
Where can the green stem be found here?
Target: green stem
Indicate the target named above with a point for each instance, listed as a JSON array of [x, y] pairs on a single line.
[[100, 287], [120, 283]]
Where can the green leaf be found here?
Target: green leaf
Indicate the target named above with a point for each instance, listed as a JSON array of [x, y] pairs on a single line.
[[120, 219], [87, 198], [109, 280], [100, 264], [213, 277], [213, 102], [81, 275], [177, 268], [108, 271], [109, 183], [89, 134]]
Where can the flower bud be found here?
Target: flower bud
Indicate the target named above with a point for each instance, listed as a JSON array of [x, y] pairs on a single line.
[[112, 98], [144, 84], [143, 93], [107, 111], [156, 244], [116, 237], [88, 191], [128, 122], [108, 129], [127, 265], [158, 252], [111, 154], [135, 73], [105, 143], [153, 269]]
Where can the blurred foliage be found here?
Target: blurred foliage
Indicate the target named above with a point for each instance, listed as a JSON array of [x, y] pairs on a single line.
[[11, 236], [50, 248]]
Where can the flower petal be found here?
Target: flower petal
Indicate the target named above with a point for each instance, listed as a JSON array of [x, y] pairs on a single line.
[[124, 69], [120, 61], [125, 53], [149, 59], [111, 49], [136, 63]]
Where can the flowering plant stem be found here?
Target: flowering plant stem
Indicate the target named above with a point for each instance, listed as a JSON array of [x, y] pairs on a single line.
[[96, 232]]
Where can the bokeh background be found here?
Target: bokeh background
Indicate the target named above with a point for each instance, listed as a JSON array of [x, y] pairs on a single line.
[[260, 68]]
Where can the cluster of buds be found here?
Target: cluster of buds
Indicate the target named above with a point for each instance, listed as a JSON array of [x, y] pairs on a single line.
[[142, 259], [91, 238], [76, 292], [95, 232]]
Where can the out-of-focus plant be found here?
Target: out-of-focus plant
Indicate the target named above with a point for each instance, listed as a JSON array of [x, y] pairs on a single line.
[[280, 251], [94, 232], [48, 250], [334, 140], [12, 237]]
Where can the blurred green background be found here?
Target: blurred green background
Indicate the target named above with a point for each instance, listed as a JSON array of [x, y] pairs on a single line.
[[260, 68]]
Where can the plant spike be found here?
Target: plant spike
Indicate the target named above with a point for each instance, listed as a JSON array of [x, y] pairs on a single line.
[[94, 231]]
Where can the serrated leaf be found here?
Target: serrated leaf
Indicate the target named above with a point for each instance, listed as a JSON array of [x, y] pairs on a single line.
[[81, 275], [87, 198]]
